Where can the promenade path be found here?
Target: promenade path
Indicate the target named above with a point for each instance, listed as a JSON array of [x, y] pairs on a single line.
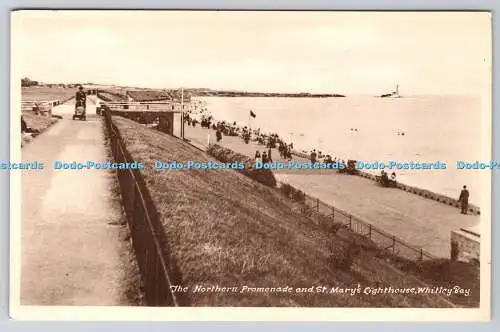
[[419, 221], [71, 249]]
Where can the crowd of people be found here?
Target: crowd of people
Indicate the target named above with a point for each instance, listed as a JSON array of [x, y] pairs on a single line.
[[386, 181], [198, 110], [273, 140]]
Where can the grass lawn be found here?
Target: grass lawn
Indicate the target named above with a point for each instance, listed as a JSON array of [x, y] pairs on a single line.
[[37, 123], [149, 95], [46, 93], [225, 229]]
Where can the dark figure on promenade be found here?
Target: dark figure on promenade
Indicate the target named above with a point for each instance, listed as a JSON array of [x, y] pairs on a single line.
[[393, 179], [81, 98], [384, 178], [257, 155], [218, 135], [313, 156], [464, 200], [269, 155], [264, 157]]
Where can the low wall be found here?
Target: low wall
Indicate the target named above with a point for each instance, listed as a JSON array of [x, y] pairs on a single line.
[[468, 245], [425, 193], [411, 189]]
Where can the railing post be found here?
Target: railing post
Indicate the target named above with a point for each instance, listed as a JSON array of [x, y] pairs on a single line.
[[370, 231], [393, 244], [333, 213], [350, 221], [421, 254], [317, 205]]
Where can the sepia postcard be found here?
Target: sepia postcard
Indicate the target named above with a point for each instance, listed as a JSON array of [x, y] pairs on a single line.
[[250, 165]]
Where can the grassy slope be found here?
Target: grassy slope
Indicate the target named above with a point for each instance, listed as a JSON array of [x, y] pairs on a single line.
[[225, 229], [38, 123], [148, 95], [45, 93]]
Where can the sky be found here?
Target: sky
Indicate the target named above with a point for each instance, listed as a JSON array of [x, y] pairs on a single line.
[[321, 52]]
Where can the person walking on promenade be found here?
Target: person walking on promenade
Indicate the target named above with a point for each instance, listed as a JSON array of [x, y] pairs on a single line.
[[264, 157], [269, 155], [313, 156], [464, 200], [257, 156], [81, 97], [384, 178]]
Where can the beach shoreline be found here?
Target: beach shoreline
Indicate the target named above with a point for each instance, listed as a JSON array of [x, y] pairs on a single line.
[[406, 178]]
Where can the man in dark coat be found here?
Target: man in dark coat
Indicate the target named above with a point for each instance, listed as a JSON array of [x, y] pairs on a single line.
[[464, 200], [80, 98]]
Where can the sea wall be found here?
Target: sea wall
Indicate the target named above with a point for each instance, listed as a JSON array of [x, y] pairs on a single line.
[[412, 189], [425, 193]]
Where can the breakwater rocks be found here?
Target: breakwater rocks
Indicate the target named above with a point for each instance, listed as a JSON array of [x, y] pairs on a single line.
[[264, 176], [425, 193], [223, 93]]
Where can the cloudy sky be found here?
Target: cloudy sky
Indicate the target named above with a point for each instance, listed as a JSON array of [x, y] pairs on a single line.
[[436, 53]]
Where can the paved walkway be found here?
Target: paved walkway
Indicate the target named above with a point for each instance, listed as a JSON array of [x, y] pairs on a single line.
[[71, 248], [419, 221]]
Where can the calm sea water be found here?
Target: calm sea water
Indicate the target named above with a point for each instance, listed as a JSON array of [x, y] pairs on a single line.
[[436, 128]]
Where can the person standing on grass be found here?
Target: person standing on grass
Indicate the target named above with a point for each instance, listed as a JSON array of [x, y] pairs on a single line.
[[464, 200]]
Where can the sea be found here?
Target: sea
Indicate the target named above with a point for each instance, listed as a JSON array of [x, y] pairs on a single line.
[[367, 128]]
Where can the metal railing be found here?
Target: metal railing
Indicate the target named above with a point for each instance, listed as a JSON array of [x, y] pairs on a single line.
[[316, 208], [143, 106], [145, 227], [39, 106]]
